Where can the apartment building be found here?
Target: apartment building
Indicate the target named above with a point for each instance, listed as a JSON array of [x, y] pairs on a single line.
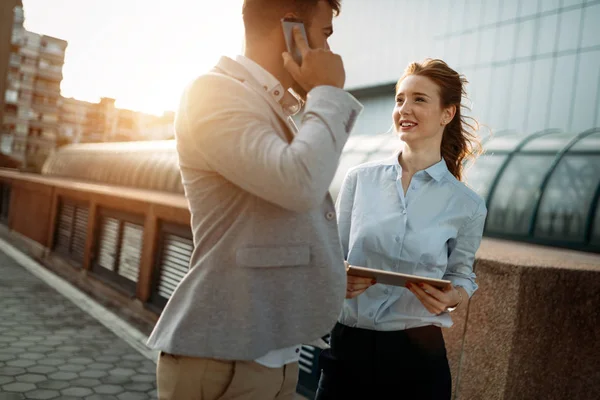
[[30, 115], [86, 122]]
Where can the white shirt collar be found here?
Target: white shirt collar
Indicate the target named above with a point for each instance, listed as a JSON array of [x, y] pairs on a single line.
[[290, 104]]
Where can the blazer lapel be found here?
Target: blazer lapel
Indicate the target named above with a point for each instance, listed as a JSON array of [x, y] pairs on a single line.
[[229, 67]]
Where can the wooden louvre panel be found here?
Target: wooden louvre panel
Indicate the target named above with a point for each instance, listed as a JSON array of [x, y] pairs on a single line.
[[63, 230], [5, 201], [131, 251], [79, 233], [109, 236], [307, 360], [176, 254]]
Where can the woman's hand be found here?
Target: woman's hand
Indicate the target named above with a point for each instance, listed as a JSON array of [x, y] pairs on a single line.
[[436, 301], [356, 285]]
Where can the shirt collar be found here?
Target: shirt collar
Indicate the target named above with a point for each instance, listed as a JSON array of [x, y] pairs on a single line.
[[436, 171], [290, 103]]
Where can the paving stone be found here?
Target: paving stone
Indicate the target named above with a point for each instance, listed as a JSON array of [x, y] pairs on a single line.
[[43, 394], [101, 397], [31, 378], [52, 361], [10, 350], [81, 360], [32, 338], [60, 354], [116, 379], [7, 357], [72, 368], [122, 372], [21, 363], [107, 359], [132, 396], [86, 382], [18, 387], [93, 374], [139, 387], [31, 356], [143, 378], [12, 396], [69, 349], [6, 379], [63, 376], [77, 391], [58, 385], [11, 371], [134, 357], [101, 366], [42, 369], [108, 389], [41, 349]]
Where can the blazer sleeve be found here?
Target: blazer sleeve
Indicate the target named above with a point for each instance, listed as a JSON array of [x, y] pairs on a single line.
[[223, 126]]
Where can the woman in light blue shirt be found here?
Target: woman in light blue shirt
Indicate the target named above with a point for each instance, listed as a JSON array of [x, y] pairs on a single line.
[[412, 214]]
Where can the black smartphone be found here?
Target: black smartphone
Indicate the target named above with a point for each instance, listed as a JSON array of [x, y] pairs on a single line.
[[287, 25]]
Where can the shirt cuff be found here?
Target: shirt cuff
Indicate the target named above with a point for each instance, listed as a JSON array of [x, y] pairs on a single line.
[[464, 283], [338, 94], [336, 107]]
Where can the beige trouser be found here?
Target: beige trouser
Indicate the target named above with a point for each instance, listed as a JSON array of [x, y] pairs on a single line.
[[190, 378]]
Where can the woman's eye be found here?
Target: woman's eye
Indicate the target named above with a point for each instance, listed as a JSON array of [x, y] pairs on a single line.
[[399, 101], [419, 99]]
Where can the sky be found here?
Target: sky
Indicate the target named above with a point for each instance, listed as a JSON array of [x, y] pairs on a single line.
[[140, 52]]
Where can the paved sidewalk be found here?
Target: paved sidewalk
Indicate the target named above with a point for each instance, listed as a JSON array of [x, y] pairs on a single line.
[[51, 349]]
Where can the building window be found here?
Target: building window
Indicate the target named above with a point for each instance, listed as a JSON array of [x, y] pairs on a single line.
[[11, 96], [172, 261], [118, 249], [71, 230]]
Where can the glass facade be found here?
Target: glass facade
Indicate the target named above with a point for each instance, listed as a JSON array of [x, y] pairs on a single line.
[[543, 188]]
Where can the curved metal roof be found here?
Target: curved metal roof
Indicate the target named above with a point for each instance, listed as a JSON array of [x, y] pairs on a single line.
[[542, 187], [144, 165]]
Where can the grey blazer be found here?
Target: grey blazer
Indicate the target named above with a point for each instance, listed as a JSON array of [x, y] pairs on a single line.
[[267, 268]]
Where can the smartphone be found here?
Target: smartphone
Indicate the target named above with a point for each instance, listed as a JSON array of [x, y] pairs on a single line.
[[288, 24]]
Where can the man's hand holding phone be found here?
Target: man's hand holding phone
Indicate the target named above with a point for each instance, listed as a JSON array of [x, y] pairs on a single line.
[[320, 67]]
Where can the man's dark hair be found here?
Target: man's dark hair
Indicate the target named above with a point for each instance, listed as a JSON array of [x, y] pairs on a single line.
[[261, 16]]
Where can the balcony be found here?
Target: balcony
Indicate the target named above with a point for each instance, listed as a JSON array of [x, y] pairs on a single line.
[[15, 60], [9, 119], [47, 90], [45, 108], [53, 55], [34, 123], [52, 73]]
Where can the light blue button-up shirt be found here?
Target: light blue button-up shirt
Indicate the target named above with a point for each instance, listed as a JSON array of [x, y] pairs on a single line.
[[434, 230]]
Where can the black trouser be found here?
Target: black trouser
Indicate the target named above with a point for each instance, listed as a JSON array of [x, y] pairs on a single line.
[[367, 364]]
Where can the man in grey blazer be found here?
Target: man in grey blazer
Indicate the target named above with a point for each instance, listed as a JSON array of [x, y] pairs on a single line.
[[267, 272]]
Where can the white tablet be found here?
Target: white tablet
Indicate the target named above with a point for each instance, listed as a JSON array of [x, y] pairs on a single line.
[[395, 278]]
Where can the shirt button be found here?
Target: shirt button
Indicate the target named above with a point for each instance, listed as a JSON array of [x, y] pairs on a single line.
[[371, 314], [330, 215], [297, 350], [386, 291], [276, 93], [403, 212], [397, 238]]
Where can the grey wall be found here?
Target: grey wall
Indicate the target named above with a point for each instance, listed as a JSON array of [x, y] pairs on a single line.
[[532, 64]]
